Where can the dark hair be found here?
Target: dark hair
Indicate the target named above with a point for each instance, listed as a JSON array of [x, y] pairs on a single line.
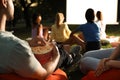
[[99, 15], [90, 15], [34, 17]]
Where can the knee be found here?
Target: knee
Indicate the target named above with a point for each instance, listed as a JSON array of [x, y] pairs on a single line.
[[87, 54], [84, 59], [83, 65]]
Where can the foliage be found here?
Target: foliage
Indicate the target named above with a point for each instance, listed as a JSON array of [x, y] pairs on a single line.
[[48, 8]]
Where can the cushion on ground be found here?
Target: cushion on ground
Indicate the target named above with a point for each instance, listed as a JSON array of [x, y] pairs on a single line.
[[57, 75], [113, 74]]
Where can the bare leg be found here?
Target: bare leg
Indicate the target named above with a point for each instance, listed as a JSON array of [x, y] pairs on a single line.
[[78, 41]]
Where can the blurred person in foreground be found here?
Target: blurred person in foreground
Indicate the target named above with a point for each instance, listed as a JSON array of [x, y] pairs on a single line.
[[103, 64], [16, 55]]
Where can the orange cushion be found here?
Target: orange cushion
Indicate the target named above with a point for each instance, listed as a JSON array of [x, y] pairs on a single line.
[[12, 77], [113, 74], [57, 75]]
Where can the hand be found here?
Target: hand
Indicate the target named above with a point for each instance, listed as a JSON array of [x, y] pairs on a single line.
[[102, 67], [42, 42], [55, 51]]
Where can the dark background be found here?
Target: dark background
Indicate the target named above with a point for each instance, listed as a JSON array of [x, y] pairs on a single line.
[[47, 8]]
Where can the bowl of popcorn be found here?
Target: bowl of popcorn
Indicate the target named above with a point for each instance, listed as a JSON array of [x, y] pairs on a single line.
[[43, 53]]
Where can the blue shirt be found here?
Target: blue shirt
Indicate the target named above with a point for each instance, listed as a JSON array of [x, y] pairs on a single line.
[[91, 32]]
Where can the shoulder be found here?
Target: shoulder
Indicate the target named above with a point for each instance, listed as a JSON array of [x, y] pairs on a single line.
[[39, 26], [22, 47], [91, 24], [82, 25], [96, 24], [16, 44], [64, 24]]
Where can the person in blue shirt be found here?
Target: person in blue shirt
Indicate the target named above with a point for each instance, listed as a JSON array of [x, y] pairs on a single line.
[[90, 30]]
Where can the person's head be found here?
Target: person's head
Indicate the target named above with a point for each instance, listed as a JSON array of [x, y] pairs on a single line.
[[36, 19], [99, 15], [7, 9], [59, 18], [90, 15]]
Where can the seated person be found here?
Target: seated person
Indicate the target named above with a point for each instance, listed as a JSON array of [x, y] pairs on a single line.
[[19, 58], [105, 39], [102, 62], [39, 35], [90, 31], [101, 25], [60, 32]]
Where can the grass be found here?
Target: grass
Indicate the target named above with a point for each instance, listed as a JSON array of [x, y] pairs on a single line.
[[20, 31], [23, 33]]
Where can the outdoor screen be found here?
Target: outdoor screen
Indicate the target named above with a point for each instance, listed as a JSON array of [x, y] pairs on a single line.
[[76, 9]]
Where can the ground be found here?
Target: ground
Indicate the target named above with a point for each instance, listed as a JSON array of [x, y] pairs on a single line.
[[74, 73]]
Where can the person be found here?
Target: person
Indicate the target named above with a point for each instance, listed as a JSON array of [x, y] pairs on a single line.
[[105, 39], [90, 30], [101, 25], [96, 56], [60, 32], [39, 33], [19, 58], [102, 62]]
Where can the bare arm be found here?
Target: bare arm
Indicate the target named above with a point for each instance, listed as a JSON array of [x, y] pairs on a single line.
[[31, 68], [51, 65], [107, 63], [116, 53], [73, 32], [68, 31], [113, 64], [40, 35], [40, 31]]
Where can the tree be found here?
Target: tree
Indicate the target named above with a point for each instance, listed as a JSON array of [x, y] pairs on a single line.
[[57, 6], [48, 9], [30, 6], [26, 6]]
